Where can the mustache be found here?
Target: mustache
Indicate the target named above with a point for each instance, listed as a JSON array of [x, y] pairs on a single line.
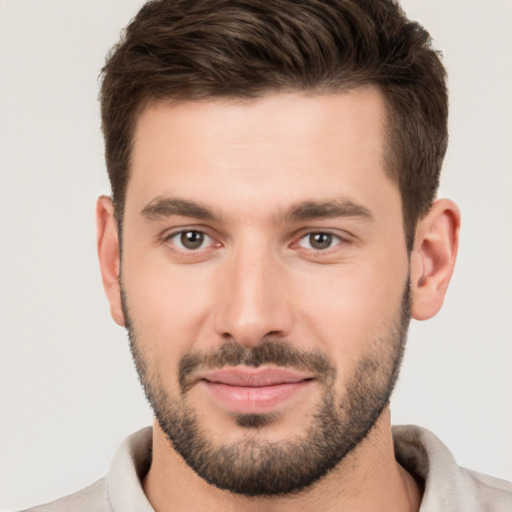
[[273, 352]]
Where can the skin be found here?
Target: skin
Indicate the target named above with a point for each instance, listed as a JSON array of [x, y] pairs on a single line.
[[251, 162]]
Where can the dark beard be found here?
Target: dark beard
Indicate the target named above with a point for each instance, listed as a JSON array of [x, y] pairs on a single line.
[[255, 468]]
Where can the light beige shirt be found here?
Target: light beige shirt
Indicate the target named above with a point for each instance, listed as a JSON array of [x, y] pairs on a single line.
[[448, 487]]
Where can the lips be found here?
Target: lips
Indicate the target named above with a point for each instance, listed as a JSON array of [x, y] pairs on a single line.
[[253, 377], [253, 390]]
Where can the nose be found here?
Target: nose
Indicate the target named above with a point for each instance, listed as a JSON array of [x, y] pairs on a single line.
[[252, 302]]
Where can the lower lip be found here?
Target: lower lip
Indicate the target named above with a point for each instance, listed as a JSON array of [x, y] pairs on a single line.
[[255, 400]]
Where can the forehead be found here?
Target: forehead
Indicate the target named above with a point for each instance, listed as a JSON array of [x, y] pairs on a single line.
[[280, 147], [296, 116]]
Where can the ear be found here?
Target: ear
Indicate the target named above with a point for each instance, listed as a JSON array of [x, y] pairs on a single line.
[[433, 258], [109, 255]]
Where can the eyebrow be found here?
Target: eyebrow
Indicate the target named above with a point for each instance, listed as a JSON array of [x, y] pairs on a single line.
[[162, 207], [310, 210]]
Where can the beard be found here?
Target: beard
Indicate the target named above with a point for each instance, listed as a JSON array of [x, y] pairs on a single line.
[[255, 467]]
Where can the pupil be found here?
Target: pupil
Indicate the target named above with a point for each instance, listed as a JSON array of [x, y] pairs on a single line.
[[192, 239], [321, 240]]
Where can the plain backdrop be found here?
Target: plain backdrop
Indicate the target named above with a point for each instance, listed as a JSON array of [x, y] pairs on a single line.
[[68, 391]]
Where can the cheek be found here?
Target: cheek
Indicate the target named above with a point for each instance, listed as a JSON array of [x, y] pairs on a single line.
[[351, 310], [167, 304]]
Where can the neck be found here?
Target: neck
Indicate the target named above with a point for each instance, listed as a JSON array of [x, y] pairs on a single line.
[[368, 479]]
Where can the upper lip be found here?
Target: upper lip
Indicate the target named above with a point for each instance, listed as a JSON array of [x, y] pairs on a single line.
[[253, 377]]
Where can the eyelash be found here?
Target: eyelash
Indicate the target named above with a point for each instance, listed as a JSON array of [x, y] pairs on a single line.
[[170, 236], [330, 236], [334, 241]]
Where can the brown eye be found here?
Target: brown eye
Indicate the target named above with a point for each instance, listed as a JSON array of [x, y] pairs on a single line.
[[319, 241], [191, 240]]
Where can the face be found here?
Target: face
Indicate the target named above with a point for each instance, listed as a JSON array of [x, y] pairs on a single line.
[[265, 281]]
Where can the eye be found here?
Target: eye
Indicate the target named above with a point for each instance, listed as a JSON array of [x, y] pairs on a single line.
[[190, 240], [319, 241]]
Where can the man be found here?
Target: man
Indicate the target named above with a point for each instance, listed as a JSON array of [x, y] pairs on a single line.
[[273, 228]]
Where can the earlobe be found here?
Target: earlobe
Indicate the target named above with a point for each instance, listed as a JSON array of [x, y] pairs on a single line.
[[433, 258], [109, 255]]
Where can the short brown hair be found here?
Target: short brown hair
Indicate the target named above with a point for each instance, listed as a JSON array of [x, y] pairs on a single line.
[[197, 49]]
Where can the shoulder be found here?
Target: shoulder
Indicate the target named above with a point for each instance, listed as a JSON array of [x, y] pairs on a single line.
[[494, 493], [121, 490], [448, 486], [90, 499]]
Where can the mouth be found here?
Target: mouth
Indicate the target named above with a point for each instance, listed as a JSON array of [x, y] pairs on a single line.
[[244, 390]]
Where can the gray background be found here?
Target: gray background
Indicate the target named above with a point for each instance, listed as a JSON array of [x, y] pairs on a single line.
[[68, 392]]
